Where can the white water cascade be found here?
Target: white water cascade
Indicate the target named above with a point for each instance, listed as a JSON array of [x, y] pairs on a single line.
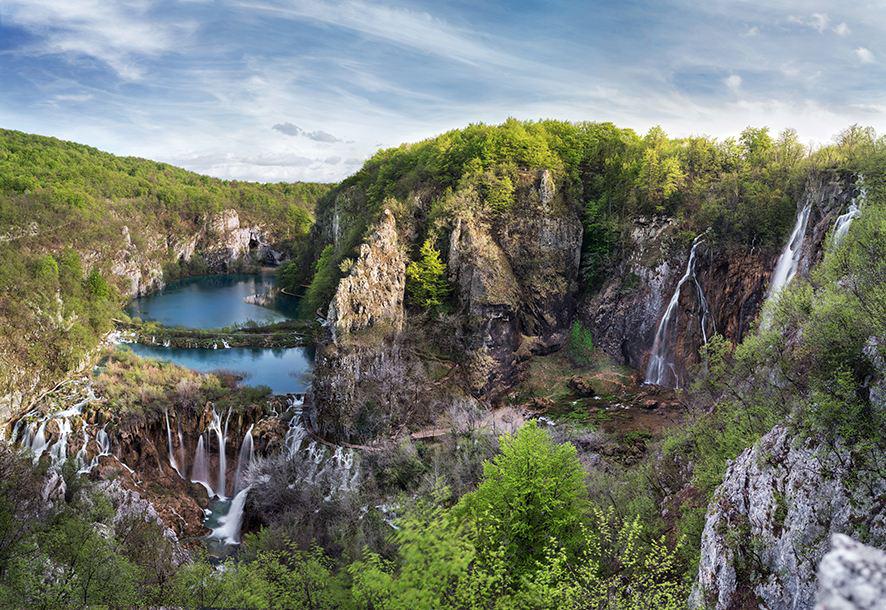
[[661, 369], [228, 530], [38, 443], [221, 437], [244, 460], [59, 451], [172, 461], [841, 226], [789, 261], [200, 470]]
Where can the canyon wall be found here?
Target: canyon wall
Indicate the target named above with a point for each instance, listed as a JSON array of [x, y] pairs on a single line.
[[625, 313], [514, 278]]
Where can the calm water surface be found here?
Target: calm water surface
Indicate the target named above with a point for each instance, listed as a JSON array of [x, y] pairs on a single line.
[[215, 302]]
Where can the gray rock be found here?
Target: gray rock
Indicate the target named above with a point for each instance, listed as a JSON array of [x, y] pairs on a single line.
[[770, 521], [852, 576]]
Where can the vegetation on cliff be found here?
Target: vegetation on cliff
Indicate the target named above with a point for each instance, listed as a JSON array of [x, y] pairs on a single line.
[[69, 213], [744, 188]]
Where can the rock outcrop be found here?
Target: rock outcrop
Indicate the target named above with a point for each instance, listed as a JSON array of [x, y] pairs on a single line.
[[516, 281], [624, 314], [370, 296], [514, 277], [770, 521], [852, 576]]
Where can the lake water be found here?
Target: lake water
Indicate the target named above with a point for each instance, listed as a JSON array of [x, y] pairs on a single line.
[[215, 302]]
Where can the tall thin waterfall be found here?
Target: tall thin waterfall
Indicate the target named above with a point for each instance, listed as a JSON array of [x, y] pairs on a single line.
[[661, 369], [200, 470], [172, 460], [244, 460], [789, 261], [841, 226], [182, 458], [215, 426]]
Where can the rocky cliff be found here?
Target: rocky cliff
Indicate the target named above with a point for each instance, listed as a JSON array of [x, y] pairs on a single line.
[[625, 313], [514, 280], [771, 520]]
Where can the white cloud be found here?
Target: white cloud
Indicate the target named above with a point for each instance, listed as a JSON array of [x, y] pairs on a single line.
[[733, 81], [408, 28], [116, 33], [864, 55], [842, 29], [816, 21], [752, 31]]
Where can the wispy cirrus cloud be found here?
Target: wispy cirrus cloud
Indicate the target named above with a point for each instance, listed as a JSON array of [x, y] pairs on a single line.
[[116, 33], [291, 89]]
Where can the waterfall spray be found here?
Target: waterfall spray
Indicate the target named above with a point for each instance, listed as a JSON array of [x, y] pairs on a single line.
[[661, 369], [244, 460], [215, 426], [788, 262], [172, 460], [200, 470]]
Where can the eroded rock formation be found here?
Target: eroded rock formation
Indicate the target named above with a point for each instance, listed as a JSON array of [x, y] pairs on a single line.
[[771, 520]]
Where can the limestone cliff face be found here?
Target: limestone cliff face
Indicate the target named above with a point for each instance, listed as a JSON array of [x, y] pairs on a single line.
[[370, 296], [514, 279], [219, 238], [771, 520], [625, 313]]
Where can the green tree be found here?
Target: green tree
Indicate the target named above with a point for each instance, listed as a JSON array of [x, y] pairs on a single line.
[[426, 284], [531, 493]]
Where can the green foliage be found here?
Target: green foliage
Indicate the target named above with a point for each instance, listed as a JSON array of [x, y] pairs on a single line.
[[426, 284], [581, 344], [532, 492]]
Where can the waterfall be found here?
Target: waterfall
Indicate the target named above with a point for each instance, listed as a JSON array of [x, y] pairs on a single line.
[[172, 460], [200, 470], [220, 436], [841, 227], [80, 458], [228, 530], [789, 261], [59, 451], [244, 460], [104, 448], [661, 368], [38, 443], [182, 460]]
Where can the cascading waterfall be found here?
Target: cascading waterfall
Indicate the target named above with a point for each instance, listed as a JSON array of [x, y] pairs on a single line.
[[59, 451], [200, 470], [789, 261], [228, 530], [661, 369], [80, 458], [172, 460], [220, 435], [37, 445], [841, 226], [181, 449], [244, 460]]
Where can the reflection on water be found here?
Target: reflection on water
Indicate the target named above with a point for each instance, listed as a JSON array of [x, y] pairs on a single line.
[[213, 302], [283, 370], [218, 301]]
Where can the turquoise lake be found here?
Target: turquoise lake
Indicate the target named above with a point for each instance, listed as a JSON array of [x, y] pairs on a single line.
[[215, 302]]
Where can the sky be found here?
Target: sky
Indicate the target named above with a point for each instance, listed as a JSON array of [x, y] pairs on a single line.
[[285, 90]]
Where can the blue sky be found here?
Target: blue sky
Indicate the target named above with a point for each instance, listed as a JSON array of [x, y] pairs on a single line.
[[292, 90]]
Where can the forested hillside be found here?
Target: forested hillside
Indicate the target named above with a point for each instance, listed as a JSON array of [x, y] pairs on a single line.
[[78, 226], [481, 429]]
